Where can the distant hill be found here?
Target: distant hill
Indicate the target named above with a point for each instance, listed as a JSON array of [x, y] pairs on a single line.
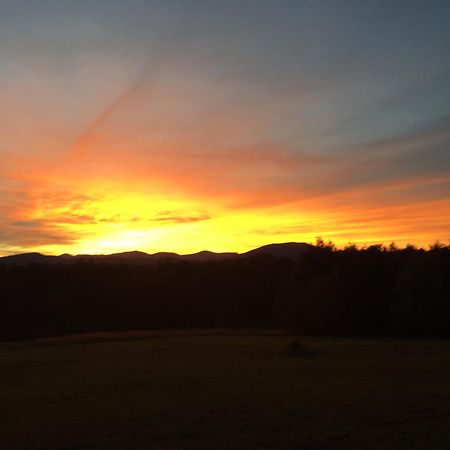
[[28, 258], [305, 289], [209, 256], [289, 250]]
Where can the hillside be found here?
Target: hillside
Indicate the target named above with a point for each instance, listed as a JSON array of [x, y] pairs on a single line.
[[316, 290], [288, 250]]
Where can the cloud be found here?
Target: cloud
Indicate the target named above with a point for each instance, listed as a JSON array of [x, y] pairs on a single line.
[[354, 192], [27, 223], [211, 115], [168, 218], [21, 237]]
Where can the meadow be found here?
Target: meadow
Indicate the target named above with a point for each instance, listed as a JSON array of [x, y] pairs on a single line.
[[223, 390]]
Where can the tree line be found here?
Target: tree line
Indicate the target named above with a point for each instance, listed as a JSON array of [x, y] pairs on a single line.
[[373, 291]]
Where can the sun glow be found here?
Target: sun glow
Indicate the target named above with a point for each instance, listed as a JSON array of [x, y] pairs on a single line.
[[154, 129], [105, 218], [98, 217]]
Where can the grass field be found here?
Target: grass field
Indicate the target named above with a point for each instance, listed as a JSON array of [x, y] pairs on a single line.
[[219, 390]]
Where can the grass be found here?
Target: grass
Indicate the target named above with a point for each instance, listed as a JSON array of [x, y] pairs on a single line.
[[223, 390]]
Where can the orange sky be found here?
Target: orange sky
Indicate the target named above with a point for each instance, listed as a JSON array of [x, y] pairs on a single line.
[[119, 189], [204, 133]]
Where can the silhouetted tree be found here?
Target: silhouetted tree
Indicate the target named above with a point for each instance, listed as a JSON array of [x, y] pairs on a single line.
[[368, 291]]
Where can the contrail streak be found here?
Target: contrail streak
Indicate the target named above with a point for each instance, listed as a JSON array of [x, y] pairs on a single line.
[[86, 138]]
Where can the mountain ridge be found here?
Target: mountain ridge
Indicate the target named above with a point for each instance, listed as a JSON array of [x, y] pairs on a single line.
[[287, 250]]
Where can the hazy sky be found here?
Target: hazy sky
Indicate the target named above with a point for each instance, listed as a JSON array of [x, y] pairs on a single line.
[[184, 125]]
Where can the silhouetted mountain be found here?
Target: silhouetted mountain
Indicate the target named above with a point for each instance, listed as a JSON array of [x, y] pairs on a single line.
[[209, 256], [141, 257], [27, 258], [164, 255], [289, 250], [131, 255], [315, 290]]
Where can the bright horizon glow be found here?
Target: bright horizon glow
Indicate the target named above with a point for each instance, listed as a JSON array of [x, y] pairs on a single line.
[[152, 223]]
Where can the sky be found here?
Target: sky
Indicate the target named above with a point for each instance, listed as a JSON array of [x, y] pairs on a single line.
[[170, 125]]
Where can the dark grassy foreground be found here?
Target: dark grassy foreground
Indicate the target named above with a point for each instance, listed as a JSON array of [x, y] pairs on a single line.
[[176, 390]]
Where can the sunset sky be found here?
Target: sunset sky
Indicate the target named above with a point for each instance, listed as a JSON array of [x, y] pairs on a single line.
[[167, 125]]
